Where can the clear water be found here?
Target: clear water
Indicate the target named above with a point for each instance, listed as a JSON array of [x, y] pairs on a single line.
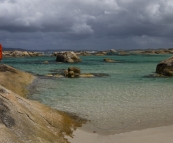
[[127, 97]]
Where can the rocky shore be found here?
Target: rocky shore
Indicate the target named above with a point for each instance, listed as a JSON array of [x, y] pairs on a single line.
[[71, 56], [16, 53], [27, 121]]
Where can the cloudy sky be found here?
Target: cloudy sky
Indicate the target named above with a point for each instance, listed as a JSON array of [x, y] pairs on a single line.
[[86, 24]]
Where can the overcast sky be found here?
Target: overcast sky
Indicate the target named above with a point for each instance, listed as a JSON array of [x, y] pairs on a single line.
[[86, 24]]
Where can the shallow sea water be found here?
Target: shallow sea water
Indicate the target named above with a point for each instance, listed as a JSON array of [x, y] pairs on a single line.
[[129, 98]]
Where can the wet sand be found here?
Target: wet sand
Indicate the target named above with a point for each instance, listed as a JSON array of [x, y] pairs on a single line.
[[151, 135]]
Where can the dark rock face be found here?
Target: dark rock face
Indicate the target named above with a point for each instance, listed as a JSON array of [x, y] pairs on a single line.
[[5, 118], [68, 57], [4, 68], [165, 67]]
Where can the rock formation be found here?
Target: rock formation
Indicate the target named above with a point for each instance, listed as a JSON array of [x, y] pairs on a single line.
[[14, 80], [27, 121], [68, 57], [16, 53], [165, 67], [72, 72]]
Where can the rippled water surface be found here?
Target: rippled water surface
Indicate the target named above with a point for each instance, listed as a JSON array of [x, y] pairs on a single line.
[[129, 96]]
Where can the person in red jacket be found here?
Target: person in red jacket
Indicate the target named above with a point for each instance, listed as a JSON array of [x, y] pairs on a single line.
[[0, 52]]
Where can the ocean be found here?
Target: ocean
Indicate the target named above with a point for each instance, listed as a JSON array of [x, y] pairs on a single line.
[[128, 97]]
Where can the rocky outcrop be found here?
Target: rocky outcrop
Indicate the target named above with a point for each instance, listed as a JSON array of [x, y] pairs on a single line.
[[111, 52], [83, 53], [165, 67], [21, 54], [123, 53], [109, 60], [156, 51], [101, 53], [27, 121], [14, 79], [68, 57]]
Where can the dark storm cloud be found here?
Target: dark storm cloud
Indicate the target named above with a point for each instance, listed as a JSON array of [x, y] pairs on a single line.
[[87, 24]]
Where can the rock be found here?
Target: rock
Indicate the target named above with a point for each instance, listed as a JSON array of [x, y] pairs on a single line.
[[15, 80], [28, 121], [100, 74], [75, 69], [101, 53], [58, 75], [165, 67], [16, 53], [72, 72], [123, 53], [86, 75], [113, 51], [69, 57], [109, 60], [46, 62], [49, 75], [84, 53], [66, 73]]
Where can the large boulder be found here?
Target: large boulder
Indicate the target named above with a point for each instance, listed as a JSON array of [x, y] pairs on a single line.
[[68, 57], [165, 67]]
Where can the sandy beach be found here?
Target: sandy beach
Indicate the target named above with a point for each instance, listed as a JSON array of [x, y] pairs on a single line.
[[152, 135]]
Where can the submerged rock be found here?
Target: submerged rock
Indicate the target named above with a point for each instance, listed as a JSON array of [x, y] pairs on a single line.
[[74, 72], [46, 62], [100, 74], [86, 75], [165, 67], [109, 60]]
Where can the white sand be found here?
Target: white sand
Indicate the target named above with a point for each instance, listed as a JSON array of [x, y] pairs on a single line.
[[153, 135]]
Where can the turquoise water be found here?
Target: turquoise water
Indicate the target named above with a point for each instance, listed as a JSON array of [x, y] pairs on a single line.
[[127, 98]]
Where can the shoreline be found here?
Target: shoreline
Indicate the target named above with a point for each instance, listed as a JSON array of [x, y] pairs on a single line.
[[150, 135], [89, 128], [82, 133], [23, 120]]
